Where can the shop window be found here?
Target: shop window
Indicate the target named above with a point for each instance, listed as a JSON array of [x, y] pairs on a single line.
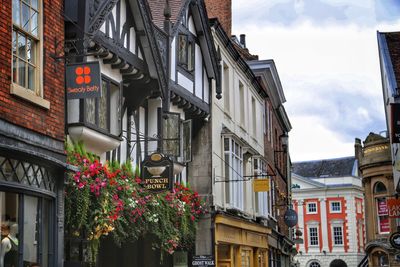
[[176, 137], [380, 194], [335, 207], [311, 207], [261, 258], [103, 113], [246, 255], [25, 230], [233, 158]]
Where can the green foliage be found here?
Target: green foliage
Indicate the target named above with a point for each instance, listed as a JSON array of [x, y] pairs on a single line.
[[102, 199]]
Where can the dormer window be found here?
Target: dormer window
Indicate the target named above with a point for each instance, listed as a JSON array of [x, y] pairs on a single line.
[[186, 48]]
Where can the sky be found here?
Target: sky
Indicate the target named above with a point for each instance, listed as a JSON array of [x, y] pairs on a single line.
[[326, 54]]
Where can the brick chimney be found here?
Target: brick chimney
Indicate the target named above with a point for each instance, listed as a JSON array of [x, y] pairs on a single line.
[[222, 10]]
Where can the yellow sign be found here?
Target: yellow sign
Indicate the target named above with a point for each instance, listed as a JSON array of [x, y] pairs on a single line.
[[261, 185]]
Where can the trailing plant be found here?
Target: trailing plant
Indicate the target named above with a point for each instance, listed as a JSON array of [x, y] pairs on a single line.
[[102, 199]]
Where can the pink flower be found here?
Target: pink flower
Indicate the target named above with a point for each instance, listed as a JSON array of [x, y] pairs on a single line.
[[80, 185]]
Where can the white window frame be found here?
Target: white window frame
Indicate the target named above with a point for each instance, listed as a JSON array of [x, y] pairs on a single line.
[[262, 207], [334, 235], [34, 96], [234, 167], [331, 210], [309, 235], [226, 87], [308, 207]]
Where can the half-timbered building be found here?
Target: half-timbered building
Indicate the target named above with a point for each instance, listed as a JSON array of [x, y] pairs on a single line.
[[157, 65]]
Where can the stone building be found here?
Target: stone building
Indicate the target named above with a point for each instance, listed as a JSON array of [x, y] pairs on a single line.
[[328, 197], [375, 166]]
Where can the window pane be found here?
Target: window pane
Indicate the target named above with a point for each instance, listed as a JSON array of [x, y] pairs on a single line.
[[31, 77], [103, 106], [21, 46], [14, 69], [14, 42], [226, 144], [171, 133], [15, 12], [31, 229], [30, 51], [25, 17], [34, 4], [34, 23], [9, 227], [21, 73], [90, 110]]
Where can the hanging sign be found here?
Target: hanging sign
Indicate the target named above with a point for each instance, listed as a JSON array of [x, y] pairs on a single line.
[[395, 240], [393, 206], [290, 218], [261, 185], [395, 122], [83, 80], [157, 173]]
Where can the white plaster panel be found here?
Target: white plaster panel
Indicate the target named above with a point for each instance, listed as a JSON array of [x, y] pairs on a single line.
[[142, 125], [124, 152], [153, 105], [173, 58], [192, 28], [185, 82], [198, 73], [73, 110], [206, 86], [106, 70], [132, 41]]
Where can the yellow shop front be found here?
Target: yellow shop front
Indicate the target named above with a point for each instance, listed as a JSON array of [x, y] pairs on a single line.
[[239, 243]]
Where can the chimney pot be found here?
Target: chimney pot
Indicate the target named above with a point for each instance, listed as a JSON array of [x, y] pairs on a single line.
[[243, 40]]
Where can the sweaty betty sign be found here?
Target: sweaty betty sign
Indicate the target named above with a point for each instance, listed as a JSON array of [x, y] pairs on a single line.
[[83, 80]]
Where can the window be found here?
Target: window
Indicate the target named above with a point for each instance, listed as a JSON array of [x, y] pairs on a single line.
[[380, 194], [269, 123], [226, 87], [246, 257], [337, 235], [314, 264], [313, 236], [233, 161], [242, 109], [176, 137], [254, 116], [311, 207], [261, 198], [25, 228], [359, 207], [103, 113], [335, 207], [186, 51]]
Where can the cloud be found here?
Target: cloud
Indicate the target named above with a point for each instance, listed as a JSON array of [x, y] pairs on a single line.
[[328, 65], [364, 13]]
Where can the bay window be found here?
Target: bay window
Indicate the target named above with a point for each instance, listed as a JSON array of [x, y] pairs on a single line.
[[186, 50]]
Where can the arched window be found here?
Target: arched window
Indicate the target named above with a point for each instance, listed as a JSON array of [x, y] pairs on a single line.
[[380, 194], [314, 264], [338, 263], [379, 188]]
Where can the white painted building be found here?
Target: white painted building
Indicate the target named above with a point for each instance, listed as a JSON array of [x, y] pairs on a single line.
[[328, 197]]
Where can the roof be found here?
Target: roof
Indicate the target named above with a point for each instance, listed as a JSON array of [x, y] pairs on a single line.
[[327, 168], [157, 10], [393, 43]]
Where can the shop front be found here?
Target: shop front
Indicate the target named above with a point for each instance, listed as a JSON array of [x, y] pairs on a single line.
[[240, 243]]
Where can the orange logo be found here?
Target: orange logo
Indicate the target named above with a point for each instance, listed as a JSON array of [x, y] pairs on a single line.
[[82, 75]]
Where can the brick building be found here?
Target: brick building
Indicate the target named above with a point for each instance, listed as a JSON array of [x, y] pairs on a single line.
[[328, 197], [32, 160]]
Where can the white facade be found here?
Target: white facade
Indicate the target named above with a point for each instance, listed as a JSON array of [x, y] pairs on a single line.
[[238, 140]]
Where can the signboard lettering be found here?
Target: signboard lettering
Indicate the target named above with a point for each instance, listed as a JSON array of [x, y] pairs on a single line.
[[382, 207], [384, 225], [393, 206], [290, 217], [261, 185], [395, 122], [203, 261], [157, 173], [83, 80]]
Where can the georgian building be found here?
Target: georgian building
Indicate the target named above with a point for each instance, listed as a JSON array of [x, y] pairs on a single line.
[[32, 159], [328, 197], [157, 65], [375, 165]]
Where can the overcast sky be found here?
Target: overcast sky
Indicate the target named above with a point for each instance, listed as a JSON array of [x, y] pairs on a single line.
[[326, 55]]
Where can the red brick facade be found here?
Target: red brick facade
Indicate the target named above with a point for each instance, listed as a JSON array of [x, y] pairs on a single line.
[[17, 110], [221, 9]]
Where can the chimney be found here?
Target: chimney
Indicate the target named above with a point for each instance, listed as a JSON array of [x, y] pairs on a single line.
[[243, 40], [358, 150], [222, 10]]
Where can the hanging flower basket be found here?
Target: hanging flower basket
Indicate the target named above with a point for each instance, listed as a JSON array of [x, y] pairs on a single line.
[[103, 199]]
